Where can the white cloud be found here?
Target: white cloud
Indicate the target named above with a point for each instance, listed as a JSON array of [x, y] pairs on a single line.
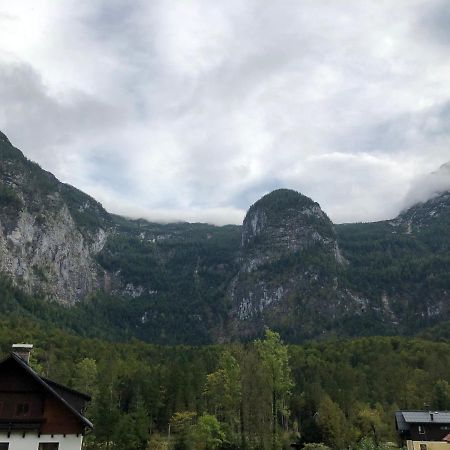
[[428, 186], [193, 109]]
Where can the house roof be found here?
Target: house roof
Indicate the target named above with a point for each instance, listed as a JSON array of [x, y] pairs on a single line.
[[53, 388], [61, 389], [400, 422], [405, 418]]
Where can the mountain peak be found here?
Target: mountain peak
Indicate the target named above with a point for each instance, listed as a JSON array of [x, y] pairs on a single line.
[[285, 216], [4, 138], [282, 199]]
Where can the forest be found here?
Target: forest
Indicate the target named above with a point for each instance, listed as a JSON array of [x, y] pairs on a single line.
[[259, 395]]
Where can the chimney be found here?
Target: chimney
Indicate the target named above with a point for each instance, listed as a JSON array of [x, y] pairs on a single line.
[[23, 351]]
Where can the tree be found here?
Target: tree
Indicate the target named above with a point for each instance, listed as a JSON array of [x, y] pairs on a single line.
[[132, 431], [275, 362], [181, 425], [85, 378], [333, 424], [370, 423], [441, 395], [105, 409], [256, 405], [158, 442], [106, 415], [207, 433], [223, 393]]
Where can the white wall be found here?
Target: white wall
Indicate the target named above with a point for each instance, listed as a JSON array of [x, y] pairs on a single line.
[[431, 445], [31, 441]]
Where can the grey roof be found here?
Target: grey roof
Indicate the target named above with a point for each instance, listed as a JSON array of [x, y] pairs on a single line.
[[405, 417], [400, 420]]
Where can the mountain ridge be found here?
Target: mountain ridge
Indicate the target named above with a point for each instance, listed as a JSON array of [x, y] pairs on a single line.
[[287, 267]]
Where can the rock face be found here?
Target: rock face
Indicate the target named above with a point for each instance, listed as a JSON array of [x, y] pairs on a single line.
[[290, 260], [284, 222], [50, 233]]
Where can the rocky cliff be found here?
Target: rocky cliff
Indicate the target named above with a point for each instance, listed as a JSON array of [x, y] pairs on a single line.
[[50, 233], [288, 275]]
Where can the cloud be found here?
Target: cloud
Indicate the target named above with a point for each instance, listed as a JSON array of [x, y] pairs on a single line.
[[195, 111], [46, 126], [428, 186], [435, 20]]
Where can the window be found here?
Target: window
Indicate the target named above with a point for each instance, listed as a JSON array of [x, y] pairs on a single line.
[[48, 446], [22, 409], [4, 446], [421, 429], [423, 446]]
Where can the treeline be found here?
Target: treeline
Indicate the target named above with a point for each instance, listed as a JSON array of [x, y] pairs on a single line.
[[261, 395]]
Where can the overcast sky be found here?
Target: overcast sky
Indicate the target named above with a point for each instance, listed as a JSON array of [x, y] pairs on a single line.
[[192, 110]]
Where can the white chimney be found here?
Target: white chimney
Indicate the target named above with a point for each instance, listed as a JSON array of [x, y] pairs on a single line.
[[23, 351]]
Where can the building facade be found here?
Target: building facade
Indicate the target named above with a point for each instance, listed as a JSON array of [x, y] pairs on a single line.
[[424, 430], [37, 413]]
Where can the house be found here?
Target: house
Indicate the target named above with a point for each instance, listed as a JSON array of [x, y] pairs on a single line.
[[35, 412], [424, 430]]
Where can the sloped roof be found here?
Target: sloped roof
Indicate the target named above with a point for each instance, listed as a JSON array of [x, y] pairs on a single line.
[[60, 388], [404, 418], [400, 421], [53, 388]]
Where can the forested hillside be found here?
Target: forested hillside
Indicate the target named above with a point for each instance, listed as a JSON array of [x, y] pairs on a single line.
[[340, 392]]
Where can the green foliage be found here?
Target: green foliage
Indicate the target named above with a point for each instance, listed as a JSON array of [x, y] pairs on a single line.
[[315, 446], [333, 424], [275, 362], [158, 442], [368, 443], [182, 426], [207, 433], [341, 392], [184, 269], [223, 394], [85, 378], [8, 197], [441, 395]]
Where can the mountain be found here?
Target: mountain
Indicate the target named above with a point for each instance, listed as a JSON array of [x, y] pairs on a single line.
[[287, 267], [402, 266], [50, 232], [288, 271]]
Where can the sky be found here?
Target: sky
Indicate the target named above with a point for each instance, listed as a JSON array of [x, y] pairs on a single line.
[[193, 109]]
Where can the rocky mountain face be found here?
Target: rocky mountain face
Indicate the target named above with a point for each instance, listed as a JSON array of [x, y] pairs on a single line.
[[424, 216], [402, 266], [306, 277], [288, 277], [50, 233], [287, 267]]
